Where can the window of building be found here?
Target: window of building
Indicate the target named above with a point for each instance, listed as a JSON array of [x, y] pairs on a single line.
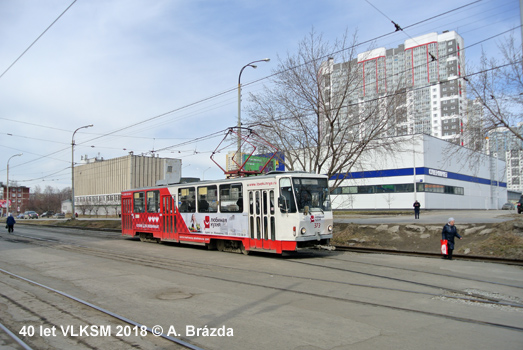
[[398, 188], [366, 189]]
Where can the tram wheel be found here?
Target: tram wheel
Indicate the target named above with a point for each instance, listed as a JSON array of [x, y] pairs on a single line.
[[220, 245], [245, 251]]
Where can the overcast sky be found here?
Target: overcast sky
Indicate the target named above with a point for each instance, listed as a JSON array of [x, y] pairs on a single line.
[[123, 65]]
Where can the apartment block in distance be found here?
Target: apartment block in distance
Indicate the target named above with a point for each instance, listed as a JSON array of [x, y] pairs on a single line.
[[424, 74]]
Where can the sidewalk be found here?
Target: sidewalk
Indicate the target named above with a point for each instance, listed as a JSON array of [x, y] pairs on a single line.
[[438, 217]]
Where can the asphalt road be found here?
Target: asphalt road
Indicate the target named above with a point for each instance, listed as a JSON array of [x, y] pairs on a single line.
[[313, 301]]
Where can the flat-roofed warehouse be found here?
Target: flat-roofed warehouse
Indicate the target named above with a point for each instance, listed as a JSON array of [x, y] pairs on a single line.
[[98, 182]]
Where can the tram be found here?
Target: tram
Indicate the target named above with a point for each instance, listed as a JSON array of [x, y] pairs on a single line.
[[277, 212]]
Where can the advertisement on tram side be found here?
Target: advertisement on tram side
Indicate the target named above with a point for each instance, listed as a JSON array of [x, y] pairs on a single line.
[[216, 223]]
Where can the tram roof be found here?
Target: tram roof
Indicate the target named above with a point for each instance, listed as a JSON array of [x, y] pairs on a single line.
[[271, 174]]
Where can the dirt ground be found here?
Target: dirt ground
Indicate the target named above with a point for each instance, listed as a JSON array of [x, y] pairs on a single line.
[[503, 239]]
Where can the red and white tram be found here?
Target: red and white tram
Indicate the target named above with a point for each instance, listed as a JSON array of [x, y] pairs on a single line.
[[277, 212]]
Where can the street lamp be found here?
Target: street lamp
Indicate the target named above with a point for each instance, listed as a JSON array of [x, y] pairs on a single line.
[[240, 103], [7, 201], [72, 169]]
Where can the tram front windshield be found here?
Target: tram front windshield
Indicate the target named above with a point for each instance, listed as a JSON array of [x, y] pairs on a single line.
[[312, 193]]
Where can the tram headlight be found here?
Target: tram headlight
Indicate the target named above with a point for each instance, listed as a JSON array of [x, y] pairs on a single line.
[[303, 230], [329, 228]]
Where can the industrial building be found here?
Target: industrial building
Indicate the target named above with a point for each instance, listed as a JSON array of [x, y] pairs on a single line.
[[99, 182], [439, 174]]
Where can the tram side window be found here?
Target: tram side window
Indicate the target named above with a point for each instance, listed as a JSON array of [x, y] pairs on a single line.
[[139, 202], [153, 201], [286, 200], [187, 200], [231, 198], [207, 199]]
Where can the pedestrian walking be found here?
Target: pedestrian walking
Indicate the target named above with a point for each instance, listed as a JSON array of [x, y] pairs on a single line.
[[416, 206], [448, 233], [10, 223]]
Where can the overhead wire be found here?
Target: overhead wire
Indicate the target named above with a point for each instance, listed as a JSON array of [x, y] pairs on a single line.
[[363, 42], [38, 38], [212, 97], [396, 93]]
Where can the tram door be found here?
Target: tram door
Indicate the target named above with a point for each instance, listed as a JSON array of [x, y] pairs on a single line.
[[168, 216], [127, 218], [261, 218]]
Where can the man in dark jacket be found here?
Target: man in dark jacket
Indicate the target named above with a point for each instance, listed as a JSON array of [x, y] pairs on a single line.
[[416, 206], [449, 232], [10, 223]]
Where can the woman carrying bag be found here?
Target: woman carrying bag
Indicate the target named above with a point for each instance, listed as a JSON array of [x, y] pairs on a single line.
[[447, 234]]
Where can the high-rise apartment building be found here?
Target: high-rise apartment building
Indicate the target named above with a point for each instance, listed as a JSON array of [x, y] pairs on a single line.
[[503, 144], [423, 76]]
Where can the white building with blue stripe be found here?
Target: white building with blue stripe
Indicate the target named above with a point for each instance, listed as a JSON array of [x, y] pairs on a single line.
[[439, 174]]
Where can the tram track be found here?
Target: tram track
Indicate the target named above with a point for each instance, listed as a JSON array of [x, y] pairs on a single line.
[[207, 271], [12, 341], [176, 265], [455, 294], [426, 272], [48, 318], [517, 262]]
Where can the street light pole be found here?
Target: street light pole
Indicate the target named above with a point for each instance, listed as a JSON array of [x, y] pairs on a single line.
[[239, 151], [7, 194], [72, 169]]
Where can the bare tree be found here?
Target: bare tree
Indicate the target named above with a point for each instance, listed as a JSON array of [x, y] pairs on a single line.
[[498, 87], [313, 111], [48, 199]]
